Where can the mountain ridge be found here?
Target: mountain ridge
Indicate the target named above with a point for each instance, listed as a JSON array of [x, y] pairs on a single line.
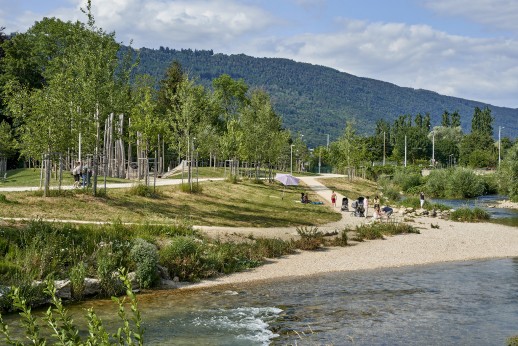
[[316, 100]]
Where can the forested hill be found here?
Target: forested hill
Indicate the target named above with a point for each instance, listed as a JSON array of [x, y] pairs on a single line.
[[317, 100]]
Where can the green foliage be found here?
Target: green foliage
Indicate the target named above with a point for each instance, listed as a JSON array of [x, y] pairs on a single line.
[[301, 91], [145, 257], [77, 280], [143, 191], [310, 238], [378, 230], [407, 180], [61, 327], [271, 248], [183, 258], [191, 188], [512, 341], [508, 174], [470, 215], [464, 183], [457, 183]]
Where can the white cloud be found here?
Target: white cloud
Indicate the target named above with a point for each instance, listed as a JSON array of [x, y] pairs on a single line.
[[411, 55], [498, 14], [181, 23]]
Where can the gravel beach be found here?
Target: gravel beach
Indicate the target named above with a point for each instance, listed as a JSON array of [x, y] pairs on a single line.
[[451, 241]]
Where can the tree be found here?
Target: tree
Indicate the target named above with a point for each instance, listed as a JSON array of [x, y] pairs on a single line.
[[455, 119], [482, 122], [508, 173], [445, 119]]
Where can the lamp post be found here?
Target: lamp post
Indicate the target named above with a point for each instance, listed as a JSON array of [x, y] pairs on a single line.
[[433, 148], [499, 143], [291, 159], [319, 159], [405, 150]]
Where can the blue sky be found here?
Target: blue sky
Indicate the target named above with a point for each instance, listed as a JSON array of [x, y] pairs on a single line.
[[461, 48]]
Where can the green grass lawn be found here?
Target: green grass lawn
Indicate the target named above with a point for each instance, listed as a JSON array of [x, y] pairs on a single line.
[[220, 203]]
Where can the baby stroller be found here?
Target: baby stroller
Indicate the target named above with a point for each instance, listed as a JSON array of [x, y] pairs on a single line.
[[358, 207], [345, 204]]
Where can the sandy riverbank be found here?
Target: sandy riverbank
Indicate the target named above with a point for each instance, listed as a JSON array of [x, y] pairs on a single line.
[[452, 241]]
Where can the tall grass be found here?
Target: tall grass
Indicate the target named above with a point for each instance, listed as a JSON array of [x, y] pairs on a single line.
[[470, 215], [379, 230]]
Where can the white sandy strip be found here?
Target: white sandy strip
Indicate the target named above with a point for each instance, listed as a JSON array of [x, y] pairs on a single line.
[[452, 241]]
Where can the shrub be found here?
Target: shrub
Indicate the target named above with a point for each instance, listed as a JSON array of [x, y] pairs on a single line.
[[3, 198], [464, 183], [145, 256], [377, 230], [107, 263], [407, 180], [143, 191], [77, 280], [469, 215], [183, 258], [270, 248], [437, 181]]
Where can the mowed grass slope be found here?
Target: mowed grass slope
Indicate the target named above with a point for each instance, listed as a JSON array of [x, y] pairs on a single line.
[[245, 204]]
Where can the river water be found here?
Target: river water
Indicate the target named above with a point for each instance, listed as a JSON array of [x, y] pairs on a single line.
[[504, 216], [459, 303]]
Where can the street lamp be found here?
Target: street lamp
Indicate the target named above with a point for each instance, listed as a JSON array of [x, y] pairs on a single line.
[[291, 159], [499, 143], [433, 148]]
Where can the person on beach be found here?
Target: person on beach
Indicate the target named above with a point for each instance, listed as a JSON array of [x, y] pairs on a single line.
[[333, 199], [386, 211], [421, 199], [366, 205], [376, 215], [376, 202]]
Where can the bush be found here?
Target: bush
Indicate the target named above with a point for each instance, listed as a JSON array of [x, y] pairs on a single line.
[[143, 191], [145, 256], [406, 180], [378, 230], [464, 183], [470, 215], [270, 248], [183, 258], [437, 182]]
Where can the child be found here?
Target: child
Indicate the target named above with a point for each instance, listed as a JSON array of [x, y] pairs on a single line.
[[333, 199]]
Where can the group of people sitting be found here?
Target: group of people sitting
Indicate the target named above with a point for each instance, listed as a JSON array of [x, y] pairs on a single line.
[[304, 198]]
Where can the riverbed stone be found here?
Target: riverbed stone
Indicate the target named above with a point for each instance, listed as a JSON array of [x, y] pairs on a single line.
[[63, 289], [92, 286]]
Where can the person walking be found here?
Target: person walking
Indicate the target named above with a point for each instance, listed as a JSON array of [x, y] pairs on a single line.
[[421, 199], [366, 205], [76, 172], [333, 199]]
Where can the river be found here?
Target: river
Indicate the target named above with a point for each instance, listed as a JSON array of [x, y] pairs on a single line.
[[461, 303]]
